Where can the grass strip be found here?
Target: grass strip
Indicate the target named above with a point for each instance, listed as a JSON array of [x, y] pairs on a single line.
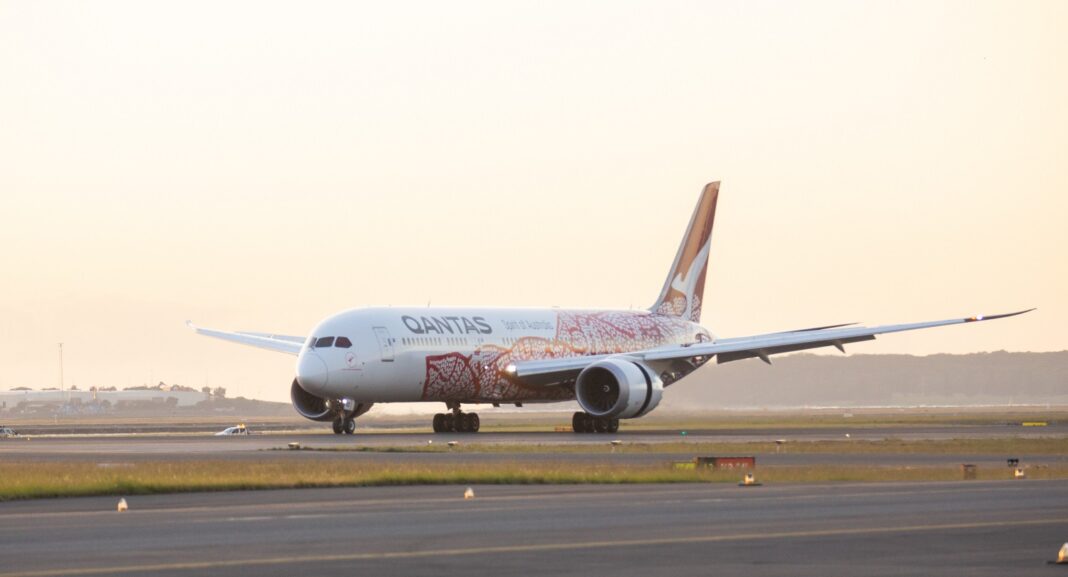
[[30, 480]]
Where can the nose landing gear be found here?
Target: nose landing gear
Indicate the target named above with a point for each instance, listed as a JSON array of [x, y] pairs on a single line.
[[456, 421]]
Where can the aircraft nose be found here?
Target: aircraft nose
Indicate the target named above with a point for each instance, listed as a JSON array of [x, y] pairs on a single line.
[[312, 374]]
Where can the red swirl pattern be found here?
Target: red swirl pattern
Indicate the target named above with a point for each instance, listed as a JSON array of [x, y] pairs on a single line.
[[481, 376]]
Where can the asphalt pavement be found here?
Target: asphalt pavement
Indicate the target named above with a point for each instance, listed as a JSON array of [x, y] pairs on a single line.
[[967, 528]]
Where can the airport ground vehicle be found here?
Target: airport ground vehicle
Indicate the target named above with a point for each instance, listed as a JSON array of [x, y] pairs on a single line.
[[230, 431]]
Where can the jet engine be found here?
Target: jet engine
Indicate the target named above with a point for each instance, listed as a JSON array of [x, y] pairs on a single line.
[[317, 408], [618, 388]]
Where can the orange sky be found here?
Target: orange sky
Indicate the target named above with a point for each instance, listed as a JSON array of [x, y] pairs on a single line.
[[261, 165]]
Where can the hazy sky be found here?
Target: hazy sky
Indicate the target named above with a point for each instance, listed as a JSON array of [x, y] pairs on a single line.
[[260, 165]]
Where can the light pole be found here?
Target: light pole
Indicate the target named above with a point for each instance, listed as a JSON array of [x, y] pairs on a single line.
[[61, 367]]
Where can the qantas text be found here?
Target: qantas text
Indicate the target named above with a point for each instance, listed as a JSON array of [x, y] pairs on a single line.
[[447, 325]]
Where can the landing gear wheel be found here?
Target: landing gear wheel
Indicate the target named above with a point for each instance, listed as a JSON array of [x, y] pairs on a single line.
[[439, 423], [339, 426], [578, 421], [586, 423], [473, 422], [448, 423], [461, 423], [600, 425], [613, 425], [349, 426]]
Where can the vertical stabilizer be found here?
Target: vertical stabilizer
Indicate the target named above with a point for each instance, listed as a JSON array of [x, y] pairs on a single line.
[[685, 284]]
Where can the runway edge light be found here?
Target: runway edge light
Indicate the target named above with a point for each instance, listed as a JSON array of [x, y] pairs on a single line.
[[469, 493], [749, 481], [122, 505], [1062, 555]]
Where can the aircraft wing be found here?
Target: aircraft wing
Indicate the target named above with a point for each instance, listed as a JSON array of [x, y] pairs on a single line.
[[556, 371], [281, 343]]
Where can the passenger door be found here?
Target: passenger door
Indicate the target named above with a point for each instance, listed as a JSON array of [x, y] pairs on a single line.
[[385, 343]]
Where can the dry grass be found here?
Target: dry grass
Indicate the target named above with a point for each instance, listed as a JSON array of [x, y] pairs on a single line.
[[21, 480], [28, 480]]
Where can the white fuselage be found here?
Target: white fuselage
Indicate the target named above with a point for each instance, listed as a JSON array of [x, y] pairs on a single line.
[[460, 354]]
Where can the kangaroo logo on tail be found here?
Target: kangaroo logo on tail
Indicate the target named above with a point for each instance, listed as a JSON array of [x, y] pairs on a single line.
[[685, 284]]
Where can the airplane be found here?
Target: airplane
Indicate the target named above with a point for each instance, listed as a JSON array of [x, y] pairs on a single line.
[[615, 363]]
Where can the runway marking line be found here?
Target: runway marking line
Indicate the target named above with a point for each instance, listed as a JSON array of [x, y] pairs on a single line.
[[538, 548]]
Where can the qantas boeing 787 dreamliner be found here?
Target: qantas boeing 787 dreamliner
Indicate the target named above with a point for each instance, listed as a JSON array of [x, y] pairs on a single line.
[[616, 364]]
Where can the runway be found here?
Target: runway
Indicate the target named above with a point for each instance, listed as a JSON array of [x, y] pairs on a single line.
[[973, 528], [133, 450], [552, 446]]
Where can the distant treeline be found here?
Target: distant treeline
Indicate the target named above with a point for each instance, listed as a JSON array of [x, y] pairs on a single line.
[[874, 380]]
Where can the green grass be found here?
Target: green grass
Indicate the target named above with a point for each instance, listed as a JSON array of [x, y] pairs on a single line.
[[29, 480]]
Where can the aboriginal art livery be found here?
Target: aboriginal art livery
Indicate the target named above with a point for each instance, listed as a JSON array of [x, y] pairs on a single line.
[[615, 364]]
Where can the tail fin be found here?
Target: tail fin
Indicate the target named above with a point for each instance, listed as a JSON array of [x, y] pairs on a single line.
[[685, 284]]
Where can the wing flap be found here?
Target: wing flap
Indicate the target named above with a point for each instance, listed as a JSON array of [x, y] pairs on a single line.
[[768, 351]]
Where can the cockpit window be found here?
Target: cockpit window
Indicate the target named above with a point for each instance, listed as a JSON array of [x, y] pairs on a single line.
[[324, 342], [342, 343]]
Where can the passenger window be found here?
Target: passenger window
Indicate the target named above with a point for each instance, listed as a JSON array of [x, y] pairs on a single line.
[[342, 343], [324, 342]]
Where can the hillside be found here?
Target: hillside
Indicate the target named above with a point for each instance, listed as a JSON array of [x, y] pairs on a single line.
[[998, 378]]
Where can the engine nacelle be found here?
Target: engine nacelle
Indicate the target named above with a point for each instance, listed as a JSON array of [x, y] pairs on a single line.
[[318, 408], [310, 406], [618, 388]]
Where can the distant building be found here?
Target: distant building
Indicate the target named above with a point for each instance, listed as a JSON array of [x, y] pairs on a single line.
[[22, 400]]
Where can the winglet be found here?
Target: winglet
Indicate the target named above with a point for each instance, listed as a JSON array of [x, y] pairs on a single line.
[[978, 318]]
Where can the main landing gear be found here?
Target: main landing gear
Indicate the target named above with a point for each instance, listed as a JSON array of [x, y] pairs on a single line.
[[456, 421], [587, 423], [346, 425]]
